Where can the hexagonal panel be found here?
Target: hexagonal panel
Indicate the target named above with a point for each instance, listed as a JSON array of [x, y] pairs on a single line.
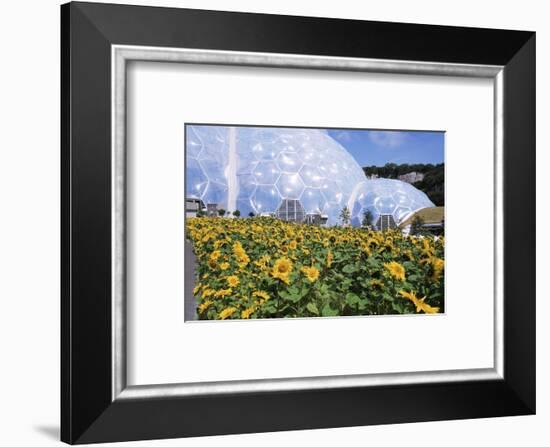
[[311, 176], [264, 197], [196, 180], [401, 212], [266, 150], [366, 199], [312, 200], [290, 186], [215, 193], [332, 192], [193, 143], [401, 198], [265, 173], [211, 168], [247, 185], [385, 205], [289, 162]]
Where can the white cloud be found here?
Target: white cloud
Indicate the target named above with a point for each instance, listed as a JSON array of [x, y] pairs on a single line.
[[387, 139], [343, 136]]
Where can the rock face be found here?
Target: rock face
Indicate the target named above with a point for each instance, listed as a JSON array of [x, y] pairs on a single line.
[[256, 169]]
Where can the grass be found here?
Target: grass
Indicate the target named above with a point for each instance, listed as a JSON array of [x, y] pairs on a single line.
[[428, 215]]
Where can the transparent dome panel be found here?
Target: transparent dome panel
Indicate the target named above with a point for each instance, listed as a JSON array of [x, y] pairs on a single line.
[[290, 186], [255, 169], [389, 197], [265, 173], [313, 201]]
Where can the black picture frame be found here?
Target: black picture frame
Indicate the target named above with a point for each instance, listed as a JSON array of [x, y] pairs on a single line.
[[88, 412]]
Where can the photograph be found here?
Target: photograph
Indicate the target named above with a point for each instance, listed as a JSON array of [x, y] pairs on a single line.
[[296, 222]]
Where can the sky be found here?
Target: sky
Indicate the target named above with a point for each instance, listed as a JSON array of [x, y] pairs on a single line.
[[377, 147]]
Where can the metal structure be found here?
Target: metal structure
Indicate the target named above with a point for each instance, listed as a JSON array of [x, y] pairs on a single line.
[[291, 210]]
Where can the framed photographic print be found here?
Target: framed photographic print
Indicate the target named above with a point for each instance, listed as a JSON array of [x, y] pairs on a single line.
[[276, 223]]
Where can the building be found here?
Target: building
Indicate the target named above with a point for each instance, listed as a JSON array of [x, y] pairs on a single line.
[[385, 222], [212, 209], [411, 177], [316, 219], [192, 207], [291, 210]]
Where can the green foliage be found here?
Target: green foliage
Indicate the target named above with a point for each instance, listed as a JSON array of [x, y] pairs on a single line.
[[329, 271], [236, 213], [221, 212], [433, 185], [416, 226], [345, 216], [367, 219]]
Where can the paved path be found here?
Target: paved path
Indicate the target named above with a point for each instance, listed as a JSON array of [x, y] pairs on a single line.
[[190, 303]]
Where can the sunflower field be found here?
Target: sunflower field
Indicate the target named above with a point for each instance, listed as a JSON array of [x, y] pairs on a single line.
[[267, 268]]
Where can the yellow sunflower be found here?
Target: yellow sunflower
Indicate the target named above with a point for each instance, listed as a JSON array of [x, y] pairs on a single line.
[[396, 270], [437, 268], [227, 312], [311, 273], [215, 255], [419, 303], [224, 265], [233, 281], [281, 269], [240, 254], [247, 312], [261, 294], [222, 293], [330, 258], [204, 305]]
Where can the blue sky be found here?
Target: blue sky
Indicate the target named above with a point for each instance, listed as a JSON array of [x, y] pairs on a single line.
[[377, 147]]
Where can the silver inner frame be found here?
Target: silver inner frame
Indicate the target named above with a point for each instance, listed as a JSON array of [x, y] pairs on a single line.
[[120, 55]]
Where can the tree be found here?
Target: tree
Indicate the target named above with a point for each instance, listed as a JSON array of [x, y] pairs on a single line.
[[367, 219], [236, 213], [201, 213], [416, 226], [251, 214], [221, 212], [345, 216]]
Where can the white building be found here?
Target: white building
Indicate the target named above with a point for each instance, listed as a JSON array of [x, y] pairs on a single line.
[[412, 177]]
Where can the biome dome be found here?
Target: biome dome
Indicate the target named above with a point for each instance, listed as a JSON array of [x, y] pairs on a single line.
[[254, 169], [387, 197]]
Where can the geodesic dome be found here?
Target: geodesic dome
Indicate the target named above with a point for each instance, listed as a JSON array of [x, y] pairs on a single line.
[[387, 197], [254, 169]]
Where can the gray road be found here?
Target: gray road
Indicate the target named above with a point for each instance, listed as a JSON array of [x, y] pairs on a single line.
[[189, 300]]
